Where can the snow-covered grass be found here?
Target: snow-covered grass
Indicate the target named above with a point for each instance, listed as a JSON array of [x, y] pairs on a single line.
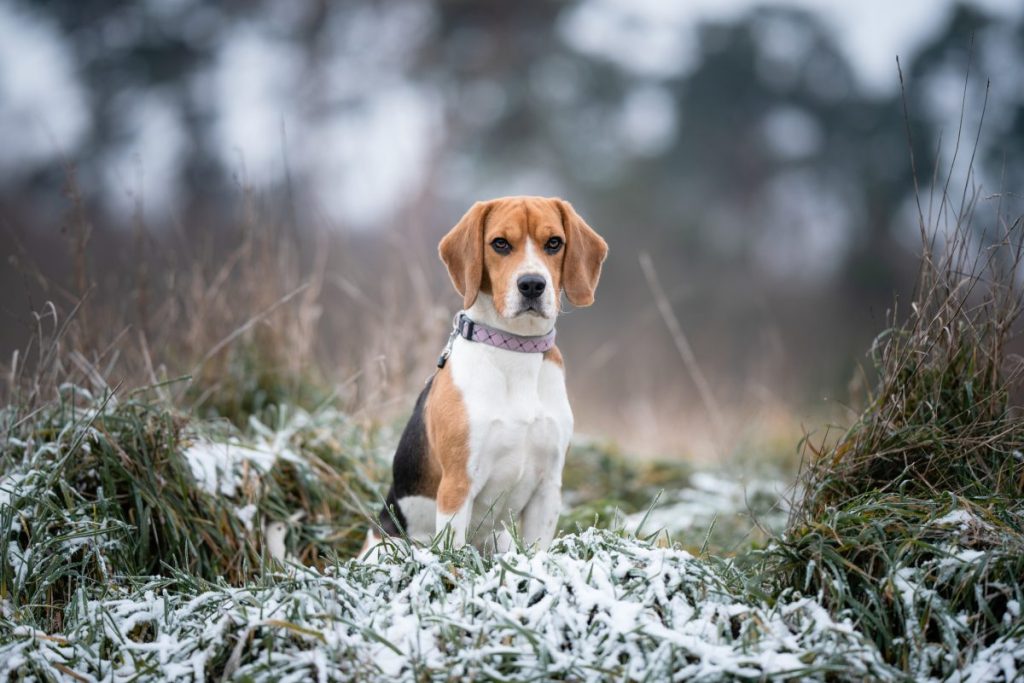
[[717, 511], [97, 495], [596, 606], [935, 583], [142, 543], [912, 521], [84, 597]]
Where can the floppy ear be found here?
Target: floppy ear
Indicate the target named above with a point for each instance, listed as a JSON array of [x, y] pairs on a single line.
[[462, 251], [585, 251]]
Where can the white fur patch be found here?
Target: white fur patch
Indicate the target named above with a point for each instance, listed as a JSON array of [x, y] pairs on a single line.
[[371, 547], [531, 264], [520, 424], [420, 516]]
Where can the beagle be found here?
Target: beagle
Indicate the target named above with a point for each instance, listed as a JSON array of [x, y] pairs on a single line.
[[484, 449]]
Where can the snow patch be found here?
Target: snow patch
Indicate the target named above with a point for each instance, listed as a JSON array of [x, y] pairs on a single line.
[[596, 606], [708, 496]]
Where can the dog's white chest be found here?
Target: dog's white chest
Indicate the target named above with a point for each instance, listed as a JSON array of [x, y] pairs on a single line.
[[520, 425]]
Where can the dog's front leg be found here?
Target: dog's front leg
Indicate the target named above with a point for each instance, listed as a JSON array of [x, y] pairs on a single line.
[[453, 511], [457, 521], [540, 516]]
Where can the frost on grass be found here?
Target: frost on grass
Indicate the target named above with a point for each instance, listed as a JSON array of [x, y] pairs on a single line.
[[954, 645], [87, 592], [713, 510], [221, 465], [596, 606], [936, 583], [97, 493], [710, 501]]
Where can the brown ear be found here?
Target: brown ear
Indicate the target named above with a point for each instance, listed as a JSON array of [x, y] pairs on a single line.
[[585, 251], [462, 251]]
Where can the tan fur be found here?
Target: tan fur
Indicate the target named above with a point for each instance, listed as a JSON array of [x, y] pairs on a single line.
[[448, 436], [474, 266], [519, 219], [585, 251], [555, 356], [461, 250]]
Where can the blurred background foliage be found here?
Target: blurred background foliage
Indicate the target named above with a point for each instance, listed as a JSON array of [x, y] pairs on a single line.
[[751, 152]]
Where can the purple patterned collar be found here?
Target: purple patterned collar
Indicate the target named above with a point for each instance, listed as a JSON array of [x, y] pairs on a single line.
[[463, 327]]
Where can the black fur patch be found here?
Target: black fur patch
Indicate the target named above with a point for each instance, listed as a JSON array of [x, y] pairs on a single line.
[[408, 467]]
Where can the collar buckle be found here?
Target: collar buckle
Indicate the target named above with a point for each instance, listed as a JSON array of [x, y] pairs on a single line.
[[446, 352], [465, 326]]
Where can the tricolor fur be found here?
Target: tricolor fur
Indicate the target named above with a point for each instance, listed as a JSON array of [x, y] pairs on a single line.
[[484, 449]]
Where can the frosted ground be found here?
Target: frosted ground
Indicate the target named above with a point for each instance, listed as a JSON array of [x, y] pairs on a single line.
[[600, 604]]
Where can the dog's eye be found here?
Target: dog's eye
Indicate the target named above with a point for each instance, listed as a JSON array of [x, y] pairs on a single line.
[[553, 245], [501, 245]]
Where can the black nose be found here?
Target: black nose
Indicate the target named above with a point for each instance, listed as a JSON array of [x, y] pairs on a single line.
[[531, 286]]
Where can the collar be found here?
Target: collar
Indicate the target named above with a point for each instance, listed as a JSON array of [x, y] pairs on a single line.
[[463, 327]]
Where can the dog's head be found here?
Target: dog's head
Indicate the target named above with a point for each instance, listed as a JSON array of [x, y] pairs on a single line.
[[524, 251]]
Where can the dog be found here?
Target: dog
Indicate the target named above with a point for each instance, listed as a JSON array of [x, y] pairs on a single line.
[[481, 457]]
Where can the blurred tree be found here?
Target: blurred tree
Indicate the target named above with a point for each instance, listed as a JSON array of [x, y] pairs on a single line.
[[768, 183], [121, 49]]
